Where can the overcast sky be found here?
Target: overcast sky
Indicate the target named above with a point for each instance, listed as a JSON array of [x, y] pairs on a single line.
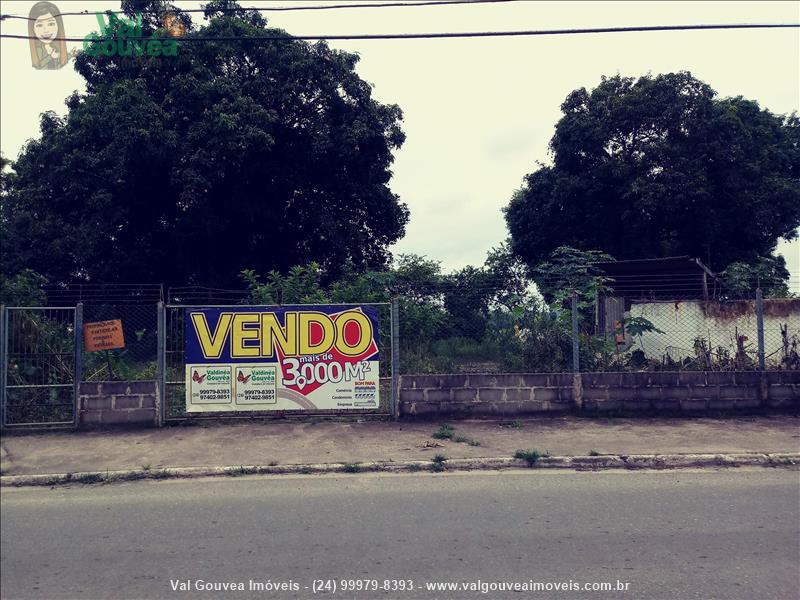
[[478, 112]]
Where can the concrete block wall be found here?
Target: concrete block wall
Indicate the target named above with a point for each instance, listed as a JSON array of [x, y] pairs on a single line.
[[511, 395], [113, 403], [687, 391], [135, 403], [485, 395], [690, 391], [782, 389]]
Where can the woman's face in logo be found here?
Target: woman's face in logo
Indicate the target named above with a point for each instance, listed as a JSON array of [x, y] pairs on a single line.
[[173, 25], [46, 28]]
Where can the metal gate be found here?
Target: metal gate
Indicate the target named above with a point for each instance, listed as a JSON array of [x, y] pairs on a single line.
[[40, 366], [172, 372]]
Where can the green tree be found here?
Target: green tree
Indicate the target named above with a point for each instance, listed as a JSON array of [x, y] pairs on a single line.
[[658, 166], [22, 289], [510, 277], [301, 285], [189, 169], [770, 273], [467, 298], [5, 175], [567, 269]]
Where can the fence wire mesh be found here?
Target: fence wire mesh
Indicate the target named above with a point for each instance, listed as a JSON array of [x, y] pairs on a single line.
[[448, 329], [138, 360], [39, 366], [136, 307], [714, 335], [471, 323]]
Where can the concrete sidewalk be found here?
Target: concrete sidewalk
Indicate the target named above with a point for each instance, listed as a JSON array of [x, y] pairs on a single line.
[[303, 443]]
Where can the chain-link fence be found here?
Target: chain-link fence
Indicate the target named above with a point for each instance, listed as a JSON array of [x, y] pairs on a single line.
[[135, 307], [138, 359], [655, 324], [603, 332], [39, 366], [712, 335]]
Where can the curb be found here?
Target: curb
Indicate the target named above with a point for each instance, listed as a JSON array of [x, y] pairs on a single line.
[[578, 463]]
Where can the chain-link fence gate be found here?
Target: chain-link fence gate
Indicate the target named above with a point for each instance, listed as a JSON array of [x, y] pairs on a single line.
[[172, 367], [41, 350]]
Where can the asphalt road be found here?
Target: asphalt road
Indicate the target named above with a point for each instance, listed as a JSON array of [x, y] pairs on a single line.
[[729, 534]]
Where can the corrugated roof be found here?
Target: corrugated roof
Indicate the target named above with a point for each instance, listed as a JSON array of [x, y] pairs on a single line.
[[672, 277]]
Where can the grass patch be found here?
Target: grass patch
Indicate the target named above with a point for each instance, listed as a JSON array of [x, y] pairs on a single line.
[[515, 424], [437, 463], [351, 468], [445, 432], [462, 439], [162, 474], [89, 478], [529, 456], [414, 467], [594, 453]]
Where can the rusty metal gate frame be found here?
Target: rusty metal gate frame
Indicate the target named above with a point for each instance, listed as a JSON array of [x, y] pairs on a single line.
[[171, 377], [65, 316]]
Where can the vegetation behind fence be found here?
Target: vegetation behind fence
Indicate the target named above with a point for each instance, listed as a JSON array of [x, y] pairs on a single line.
[[499, 318]]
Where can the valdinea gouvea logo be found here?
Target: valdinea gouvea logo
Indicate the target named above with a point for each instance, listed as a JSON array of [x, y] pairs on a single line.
[[123, 37]]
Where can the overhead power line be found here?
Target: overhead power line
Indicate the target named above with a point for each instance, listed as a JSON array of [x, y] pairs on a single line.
[[87, 13], [458, 34]]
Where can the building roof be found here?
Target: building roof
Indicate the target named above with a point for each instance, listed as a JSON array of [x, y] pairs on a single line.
[[673, 278]]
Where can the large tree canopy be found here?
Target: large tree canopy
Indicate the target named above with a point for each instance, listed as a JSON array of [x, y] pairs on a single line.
[[189, 168], [658, 166]]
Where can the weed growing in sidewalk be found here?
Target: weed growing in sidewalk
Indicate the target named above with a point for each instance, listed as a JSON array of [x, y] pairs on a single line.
[[529, 456], [594, 453], [146, 467], [438, 461], [445, 432], [89, 478], [111, 478]]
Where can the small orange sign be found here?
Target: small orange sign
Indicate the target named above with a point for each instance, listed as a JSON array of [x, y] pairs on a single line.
[[103, 335], [619, 336]]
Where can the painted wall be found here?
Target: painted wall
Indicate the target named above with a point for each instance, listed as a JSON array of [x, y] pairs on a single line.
[[683, 322]]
